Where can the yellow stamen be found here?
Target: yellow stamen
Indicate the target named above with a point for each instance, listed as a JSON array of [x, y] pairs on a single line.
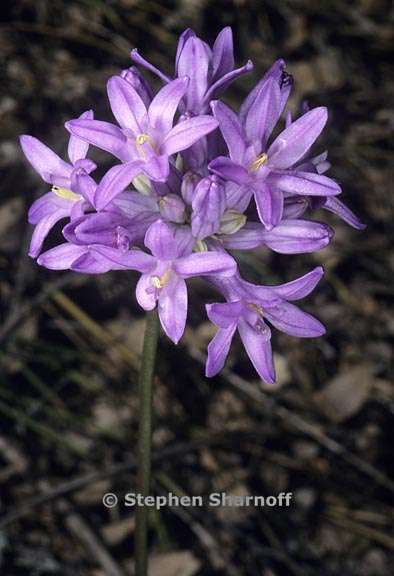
[[258, 309], [258, 162], [66, 194], [140, 141], [161, 281]]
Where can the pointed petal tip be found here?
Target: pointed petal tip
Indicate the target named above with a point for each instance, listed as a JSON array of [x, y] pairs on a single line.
[[215, 105], [33, 254], [269, 379], [319, 270]]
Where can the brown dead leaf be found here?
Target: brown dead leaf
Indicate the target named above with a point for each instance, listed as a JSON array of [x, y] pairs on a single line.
[[117, 531], [174, 564], [345, 394]]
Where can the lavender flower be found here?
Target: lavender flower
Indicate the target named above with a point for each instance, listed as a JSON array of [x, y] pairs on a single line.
[[164, 272], [247, 309], [179, 195], [62, 201], [146, 137], [267, 172], [210, 71]]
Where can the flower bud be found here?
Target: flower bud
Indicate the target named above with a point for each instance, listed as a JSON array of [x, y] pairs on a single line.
[[231, 222], [142, 184], [134, 77], [209, 204], [188, 186], [172, 208]]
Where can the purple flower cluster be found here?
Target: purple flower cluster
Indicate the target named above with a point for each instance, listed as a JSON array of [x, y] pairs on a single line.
[[192, 180]]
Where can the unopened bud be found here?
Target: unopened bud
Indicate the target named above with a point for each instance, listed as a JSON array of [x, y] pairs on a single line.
[[134, 77], [172, 208], [188, 186], [231, 222], [142, 184]]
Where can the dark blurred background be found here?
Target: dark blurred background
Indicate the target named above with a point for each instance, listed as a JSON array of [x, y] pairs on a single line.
[[70, 343]]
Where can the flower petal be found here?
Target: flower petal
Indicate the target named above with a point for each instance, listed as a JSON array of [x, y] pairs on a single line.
[[222, 54], [206, 264], [305, 183], [101, 134], [126, 104], [295, 206], [77, 148], [269, 203], [138, 59], [337, 207], [172, 306], [115, 181], [229, 170], [295, 141], [160, 239], [61, 257], [83, 184], [231, 130], [47, 205], [297, 236], [275, 72], [259, 351], [291, 320], [157, 168], [44, 160], [164, 105], [187, 132], [90, 263], [193, 61], [225, 314], [218, 349], [222, 83], [264, 114], [208, 206], [249, 237], [301, 287], [145, 293], [43, 228], [130, 260], [238, 196]]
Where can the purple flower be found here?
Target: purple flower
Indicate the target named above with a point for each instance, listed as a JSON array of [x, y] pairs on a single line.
[[210, 71], [248, 309], [299, 204], [267, 172], [293, 236], [208, 206], [146, 137], [164, 272], [178, 195], [139, 83], [63, 200]]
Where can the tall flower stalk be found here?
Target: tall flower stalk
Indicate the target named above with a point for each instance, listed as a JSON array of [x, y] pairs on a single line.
[[144, 458], [192, 180]]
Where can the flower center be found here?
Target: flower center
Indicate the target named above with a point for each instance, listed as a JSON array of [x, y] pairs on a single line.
[[258, 309], [161, 281], [66, 194], [141, 141], [258, 162]]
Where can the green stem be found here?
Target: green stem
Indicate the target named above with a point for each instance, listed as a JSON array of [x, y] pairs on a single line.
[[145, 438]]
